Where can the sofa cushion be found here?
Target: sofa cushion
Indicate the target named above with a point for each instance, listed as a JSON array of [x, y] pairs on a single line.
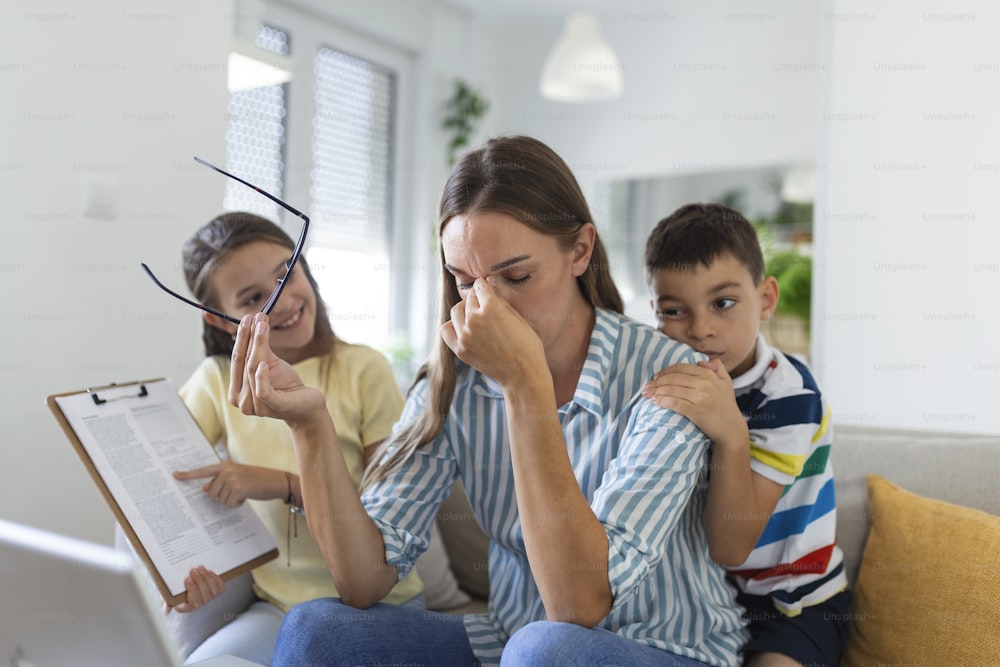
[[441, 591], [959, 468], [928, 583], [467, 545]]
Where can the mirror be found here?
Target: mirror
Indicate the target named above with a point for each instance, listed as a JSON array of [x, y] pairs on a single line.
[[777, 199]]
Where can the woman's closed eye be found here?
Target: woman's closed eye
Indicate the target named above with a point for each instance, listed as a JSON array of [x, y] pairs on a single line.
[[520, 280]]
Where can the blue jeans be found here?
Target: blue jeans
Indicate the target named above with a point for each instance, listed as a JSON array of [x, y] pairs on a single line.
[[552, 643], [328, 632]]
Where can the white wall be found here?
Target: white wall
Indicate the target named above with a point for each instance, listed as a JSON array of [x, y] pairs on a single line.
[[108, 93], [906, 230], [708, 86], [908, 270], [121, 95]]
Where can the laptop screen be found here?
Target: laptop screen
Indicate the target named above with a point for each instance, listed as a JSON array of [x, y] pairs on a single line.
[[64, 601]]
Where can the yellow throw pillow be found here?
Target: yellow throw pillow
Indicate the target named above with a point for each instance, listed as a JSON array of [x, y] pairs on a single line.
[[928, 590]]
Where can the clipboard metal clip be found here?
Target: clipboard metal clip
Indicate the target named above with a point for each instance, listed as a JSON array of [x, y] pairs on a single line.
[[98, 400]]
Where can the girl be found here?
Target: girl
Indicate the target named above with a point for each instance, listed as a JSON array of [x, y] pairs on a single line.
[[231, 265]]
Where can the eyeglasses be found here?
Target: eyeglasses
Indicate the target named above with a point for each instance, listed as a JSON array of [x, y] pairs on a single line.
[[289, 264]]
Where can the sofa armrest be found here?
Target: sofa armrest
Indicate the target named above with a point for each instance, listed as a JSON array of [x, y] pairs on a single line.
[[958, 468], [466, 543]]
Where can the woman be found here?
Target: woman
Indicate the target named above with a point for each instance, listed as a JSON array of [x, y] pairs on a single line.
[[592, 496]]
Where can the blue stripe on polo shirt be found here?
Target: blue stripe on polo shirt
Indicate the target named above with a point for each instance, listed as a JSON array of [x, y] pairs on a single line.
[[808, 382], [794, 521], [787, 411]]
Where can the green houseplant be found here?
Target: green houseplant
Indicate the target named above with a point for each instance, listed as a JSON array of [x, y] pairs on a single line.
[[463, 111], [793, 271], [785, 238]]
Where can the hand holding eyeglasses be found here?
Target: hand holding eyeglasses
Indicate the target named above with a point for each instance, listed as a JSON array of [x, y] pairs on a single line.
[[263, 384], [289, 265]]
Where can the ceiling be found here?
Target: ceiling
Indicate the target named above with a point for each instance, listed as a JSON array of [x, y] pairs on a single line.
[[512, 10]]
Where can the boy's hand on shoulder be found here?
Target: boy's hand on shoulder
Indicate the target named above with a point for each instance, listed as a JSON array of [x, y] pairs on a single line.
[[704, 394]]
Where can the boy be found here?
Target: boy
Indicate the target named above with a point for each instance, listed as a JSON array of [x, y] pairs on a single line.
[[770, 514]]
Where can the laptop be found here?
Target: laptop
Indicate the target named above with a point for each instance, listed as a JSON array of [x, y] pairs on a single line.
[[65, 601]]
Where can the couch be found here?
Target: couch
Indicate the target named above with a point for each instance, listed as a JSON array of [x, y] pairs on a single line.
[[959, 469], [924, 569]]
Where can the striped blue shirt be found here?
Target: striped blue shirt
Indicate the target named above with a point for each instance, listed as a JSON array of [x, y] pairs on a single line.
[[642, 468]]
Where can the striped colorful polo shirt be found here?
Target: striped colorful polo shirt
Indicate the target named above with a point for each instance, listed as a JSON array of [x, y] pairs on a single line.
[[796, 561]]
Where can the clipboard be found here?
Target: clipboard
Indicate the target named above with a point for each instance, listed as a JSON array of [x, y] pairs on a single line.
[[121, 396]]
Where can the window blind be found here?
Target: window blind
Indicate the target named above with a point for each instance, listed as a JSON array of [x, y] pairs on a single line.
[[255, 139], [352, 153]]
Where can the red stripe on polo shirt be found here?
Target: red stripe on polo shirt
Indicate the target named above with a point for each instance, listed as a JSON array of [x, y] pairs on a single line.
[[812, 563]]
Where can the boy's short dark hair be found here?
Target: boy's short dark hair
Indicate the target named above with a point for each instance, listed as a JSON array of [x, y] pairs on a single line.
[[697, 234]]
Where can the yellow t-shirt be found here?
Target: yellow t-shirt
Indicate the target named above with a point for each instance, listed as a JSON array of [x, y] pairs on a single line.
[[365, 403]]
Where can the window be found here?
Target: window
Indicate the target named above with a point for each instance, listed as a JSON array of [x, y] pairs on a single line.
[[352, 190], [352, 150], [326, 142], [255, 137], [254, 143]]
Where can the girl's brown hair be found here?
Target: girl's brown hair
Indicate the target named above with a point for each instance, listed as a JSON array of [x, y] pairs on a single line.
[[525, 179], [208, 246]]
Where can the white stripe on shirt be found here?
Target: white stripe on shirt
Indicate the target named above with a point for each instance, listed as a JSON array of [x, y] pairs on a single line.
[[642, 468]]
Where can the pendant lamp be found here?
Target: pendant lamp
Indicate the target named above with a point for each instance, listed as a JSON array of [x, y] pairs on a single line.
[[582, 67]]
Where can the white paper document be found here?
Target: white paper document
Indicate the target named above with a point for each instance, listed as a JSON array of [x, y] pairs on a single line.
[[136, 436]]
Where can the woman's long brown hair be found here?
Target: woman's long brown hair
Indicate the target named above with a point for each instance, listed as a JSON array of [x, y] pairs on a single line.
[[525, 179]]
